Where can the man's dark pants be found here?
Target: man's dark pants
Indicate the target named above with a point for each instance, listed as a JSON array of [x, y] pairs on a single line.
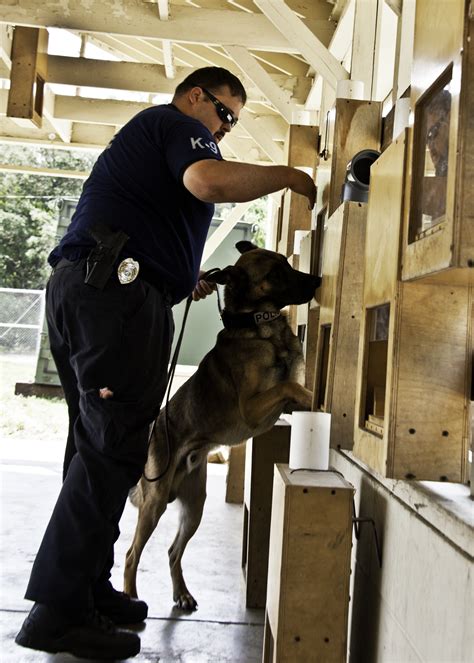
[[120, 338]]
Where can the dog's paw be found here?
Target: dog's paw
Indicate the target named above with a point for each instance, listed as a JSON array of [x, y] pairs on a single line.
[[186, 601], [304, 399], [298, 397]]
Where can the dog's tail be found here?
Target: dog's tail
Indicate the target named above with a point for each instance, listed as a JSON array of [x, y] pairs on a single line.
[[135, 495]]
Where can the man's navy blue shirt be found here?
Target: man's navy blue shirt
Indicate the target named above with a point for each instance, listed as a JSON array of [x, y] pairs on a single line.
[[136, 186]]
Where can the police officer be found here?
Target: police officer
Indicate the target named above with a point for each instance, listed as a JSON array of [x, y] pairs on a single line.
[[133, 249]]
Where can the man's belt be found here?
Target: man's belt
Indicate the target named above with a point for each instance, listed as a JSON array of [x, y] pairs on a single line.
[[144, 272]]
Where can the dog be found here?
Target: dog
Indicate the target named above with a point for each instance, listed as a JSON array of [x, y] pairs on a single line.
[[254, 371]]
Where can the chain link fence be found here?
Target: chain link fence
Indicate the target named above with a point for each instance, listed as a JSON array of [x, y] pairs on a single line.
[[21, 318]]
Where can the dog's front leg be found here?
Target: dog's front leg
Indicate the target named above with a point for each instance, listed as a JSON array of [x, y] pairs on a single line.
[[191, 495], [270, 403]]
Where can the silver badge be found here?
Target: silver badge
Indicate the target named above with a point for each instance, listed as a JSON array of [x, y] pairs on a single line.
[[128, 270]]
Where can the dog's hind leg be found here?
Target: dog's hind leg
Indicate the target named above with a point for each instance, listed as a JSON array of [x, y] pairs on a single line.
[[191, 495], [150, 510]]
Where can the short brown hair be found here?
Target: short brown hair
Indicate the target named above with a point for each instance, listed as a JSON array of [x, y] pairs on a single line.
[[212, 78]]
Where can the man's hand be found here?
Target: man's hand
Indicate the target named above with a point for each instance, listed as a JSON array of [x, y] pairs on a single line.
[[303, 184], [203, 288]]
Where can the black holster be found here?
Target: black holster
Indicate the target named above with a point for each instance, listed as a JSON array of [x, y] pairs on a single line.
[[101, 259]]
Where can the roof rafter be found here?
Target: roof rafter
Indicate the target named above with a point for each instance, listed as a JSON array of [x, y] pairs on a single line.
[[305, 42], [254, 70], [258, 132], [140, 19]]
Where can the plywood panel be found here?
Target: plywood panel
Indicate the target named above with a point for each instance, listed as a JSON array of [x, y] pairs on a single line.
[[358, 127], [347, 329], [438, 40], [331, 264], [429, 437], [382, 244], [300, 146]]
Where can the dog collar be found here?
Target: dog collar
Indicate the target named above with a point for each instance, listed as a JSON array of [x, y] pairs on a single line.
[[246, 320]]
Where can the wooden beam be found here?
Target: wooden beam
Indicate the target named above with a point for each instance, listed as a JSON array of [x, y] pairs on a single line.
[[340, 44], [63, 128], [404, 54], [95, 122], [243, 149], [168, 59], [261, 137], [119, 49], [96, 111], [251, 68], [139, 19], [163, 9], [6, 45], [132, 76], [396, 6], [364, 44], [170, 69], [301, 37], [140, 77]]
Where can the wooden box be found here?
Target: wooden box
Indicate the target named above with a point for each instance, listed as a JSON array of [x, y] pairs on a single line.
[[439, 212], [261, 454], [309, 567], [339, 320], [414, 354]]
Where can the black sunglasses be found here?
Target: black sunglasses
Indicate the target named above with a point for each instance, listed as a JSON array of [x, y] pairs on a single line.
[[224, 113]]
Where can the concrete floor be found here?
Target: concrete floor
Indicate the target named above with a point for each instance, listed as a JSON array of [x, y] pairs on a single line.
[[221, 630]]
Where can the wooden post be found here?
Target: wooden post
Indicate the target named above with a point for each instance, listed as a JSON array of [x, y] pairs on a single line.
[[28, 75], [262, 452], [234, 492]]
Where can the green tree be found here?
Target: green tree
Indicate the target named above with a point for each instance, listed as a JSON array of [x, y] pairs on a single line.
[[29, 211]]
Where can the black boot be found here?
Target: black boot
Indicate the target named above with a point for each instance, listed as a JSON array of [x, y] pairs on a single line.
[[93, 637], [119, 607]]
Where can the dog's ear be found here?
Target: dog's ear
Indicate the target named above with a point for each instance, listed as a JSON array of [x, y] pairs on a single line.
[[230, 276], [244, 246], [222, 276]]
